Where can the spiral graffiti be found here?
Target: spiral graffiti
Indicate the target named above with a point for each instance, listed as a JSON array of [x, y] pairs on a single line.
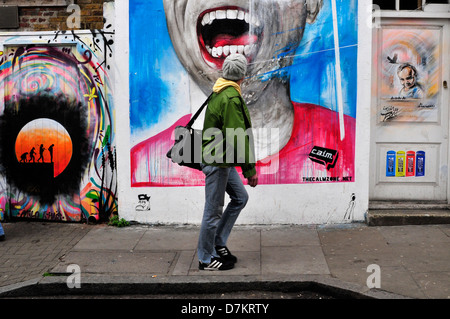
[[56, 130]]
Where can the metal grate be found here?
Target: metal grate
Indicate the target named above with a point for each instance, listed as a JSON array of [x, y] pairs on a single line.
[[9, 17]]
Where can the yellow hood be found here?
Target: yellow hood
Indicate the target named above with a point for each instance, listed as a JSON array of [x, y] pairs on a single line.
[[222, 83]]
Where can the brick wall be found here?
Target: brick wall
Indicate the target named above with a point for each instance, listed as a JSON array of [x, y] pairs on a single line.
[[52, 18]]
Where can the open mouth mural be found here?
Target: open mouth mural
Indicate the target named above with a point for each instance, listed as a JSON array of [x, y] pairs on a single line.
[[227, 30]]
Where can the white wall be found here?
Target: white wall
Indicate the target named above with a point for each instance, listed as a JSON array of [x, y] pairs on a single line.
[[268, 204]]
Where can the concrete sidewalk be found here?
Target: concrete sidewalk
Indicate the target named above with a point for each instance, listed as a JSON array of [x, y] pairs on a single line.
[[414, 261]]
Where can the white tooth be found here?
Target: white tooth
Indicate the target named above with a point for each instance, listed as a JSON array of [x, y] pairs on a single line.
[[205, 19], [208, 49], [212, 17], [232, 14], [221, 14], [247, 50], [219, 51], [214, 52], [240, 49], [233, 49], [246, 17], [226, 50], [241, 15]]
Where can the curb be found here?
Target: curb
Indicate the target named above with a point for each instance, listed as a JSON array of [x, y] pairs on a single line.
[[183, 285]]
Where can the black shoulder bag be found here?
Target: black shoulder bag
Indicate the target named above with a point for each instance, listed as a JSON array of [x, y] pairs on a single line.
[[187, 150]]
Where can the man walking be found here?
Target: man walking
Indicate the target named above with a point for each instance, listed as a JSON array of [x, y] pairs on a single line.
[[227, 114]]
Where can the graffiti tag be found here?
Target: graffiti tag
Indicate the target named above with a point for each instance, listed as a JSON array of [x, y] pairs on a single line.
[[144, 202], [389, 112], [324, 156]]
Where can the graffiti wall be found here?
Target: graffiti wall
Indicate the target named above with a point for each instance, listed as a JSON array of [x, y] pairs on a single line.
[[57, 140], [300, 86]]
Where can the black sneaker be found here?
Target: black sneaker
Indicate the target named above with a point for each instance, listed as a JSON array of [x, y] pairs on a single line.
[[215, 264], [2, 237], [225, 254]]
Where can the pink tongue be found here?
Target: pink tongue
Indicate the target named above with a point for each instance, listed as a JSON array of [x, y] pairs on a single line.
[[226, 39]]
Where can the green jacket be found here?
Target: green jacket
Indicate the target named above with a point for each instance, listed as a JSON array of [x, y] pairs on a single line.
[[227, 135]]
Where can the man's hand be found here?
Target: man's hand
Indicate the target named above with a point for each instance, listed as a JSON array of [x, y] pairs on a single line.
[[253, 180]]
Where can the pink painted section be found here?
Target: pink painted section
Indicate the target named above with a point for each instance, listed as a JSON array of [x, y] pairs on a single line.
[[313, 126]]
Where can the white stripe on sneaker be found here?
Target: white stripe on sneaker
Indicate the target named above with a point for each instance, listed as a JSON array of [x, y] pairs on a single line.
[[214, 264], [223, 251]]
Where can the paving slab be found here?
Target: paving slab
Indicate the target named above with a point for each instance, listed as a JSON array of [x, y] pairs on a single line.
[[184, 262], [164, 239], [117, 262], [415, 234], [290, 236], [396, 279], [245, 239], [434, 285], [352, 240], [445, 229], [425, 259], [401, 281], [293, 260], [33, 248], [105, 237]]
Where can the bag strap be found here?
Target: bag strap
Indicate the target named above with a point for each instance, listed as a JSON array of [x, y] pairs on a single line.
[[196, 115], [246, 120]]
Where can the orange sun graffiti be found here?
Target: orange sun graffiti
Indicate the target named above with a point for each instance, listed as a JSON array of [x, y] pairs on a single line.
[[45, 132]]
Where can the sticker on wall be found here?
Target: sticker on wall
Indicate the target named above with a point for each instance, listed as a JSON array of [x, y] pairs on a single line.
[[390, 163], [420, 163], [405, 164], [324, 156], [144, 202], [400, 172], [410, 163]]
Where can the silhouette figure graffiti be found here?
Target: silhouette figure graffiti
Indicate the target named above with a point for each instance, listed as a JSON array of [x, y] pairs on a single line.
[[50, 150], [41, 153], [23, 157], [32, 152]]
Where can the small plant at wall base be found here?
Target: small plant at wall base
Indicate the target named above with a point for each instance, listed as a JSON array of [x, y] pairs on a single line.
[[115, 221]]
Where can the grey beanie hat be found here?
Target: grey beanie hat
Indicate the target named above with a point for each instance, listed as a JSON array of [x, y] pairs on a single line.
[[234, 67]]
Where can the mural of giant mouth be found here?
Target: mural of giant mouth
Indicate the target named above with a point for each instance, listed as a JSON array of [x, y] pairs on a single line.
[[226, 30]]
